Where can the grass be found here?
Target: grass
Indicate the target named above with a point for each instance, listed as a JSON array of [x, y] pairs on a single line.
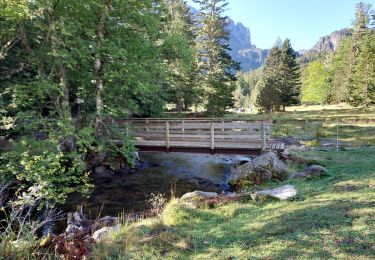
[[317, 123], [356, 125], [332, 217]]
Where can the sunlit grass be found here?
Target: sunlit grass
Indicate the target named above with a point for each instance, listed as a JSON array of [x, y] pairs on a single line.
[[332, 217]]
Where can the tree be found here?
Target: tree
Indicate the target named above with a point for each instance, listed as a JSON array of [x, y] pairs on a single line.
[[269, 96], [179, 51], [363, 86], [341, 69], [315, 83], [269, 99], [63, 62], [362, 77], [290, 76], [216, 67]]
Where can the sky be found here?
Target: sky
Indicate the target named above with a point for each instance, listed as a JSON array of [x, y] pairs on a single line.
[[302, 21]]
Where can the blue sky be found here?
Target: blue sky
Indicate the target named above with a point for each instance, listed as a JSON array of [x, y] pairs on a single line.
[[302, 21]]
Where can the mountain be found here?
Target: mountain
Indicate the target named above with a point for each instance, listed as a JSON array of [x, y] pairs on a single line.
[[326, 44], [243, 51], [329, 43]]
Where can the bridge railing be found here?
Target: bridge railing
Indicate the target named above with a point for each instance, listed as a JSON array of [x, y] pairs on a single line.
[[200, 133]]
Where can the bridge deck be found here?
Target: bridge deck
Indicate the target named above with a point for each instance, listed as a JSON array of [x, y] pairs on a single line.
[[202, 135]]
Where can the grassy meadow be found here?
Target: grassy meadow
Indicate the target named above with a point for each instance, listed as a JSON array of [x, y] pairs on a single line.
[[332, 217], [316, 125]]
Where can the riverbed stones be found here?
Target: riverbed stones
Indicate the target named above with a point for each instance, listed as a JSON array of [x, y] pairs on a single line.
[[309, 172], [262, 168], [281, 193]]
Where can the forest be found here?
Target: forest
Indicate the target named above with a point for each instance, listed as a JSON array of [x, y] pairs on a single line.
[[346, 75], [70, 71]]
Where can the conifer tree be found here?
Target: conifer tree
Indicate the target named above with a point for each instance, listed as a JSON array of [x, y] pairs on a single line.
[[280, 72], [215, 65], [290, 76], [179, 54], [363, 75], [269, 96]]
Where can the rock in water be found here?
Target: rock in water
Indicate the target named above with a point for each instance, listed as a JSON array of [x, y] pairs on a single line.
[[282, 193], [310, 171], [262, 168]]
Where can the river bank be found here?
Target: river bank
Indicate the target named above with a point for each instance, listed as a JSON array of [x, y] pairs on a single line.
[[331, 217]]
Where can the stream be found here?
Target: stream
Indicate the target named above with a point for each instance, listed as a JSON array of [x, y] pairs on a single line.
[[118, 192]]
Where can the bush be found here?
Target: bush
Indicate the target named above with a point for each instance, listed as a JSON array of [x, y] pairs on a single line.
[[37, 163]]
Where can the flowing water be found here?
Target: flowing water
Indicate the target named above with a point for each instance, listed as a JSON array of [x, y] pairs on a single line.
[[115, 192]]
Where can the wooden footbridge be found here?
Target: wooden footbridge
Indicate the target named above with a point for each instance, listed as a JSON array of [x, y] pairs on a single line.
[[202, 135]]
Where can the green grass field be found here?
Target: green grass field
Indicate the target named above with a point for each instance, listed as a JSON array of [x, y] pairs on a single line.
[[332, 217], [318, 123]]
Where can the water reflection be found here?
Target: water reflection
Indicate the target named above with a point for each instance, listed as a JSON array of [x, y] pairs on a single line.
[[116, 192]]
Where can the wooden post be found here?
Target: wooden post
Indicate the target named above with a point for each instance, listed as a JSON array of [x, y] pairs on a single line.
[[337, 134], [167, 135], [263, 133], [212, 137], [147, 127], [127, 129], [222, 130], [183, 130]]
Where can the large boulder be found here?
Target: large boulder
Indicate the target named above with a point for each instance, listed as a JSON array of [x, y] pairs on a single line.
[[281, 193], [197, 195], [262, 168], [309, 172], [104, 232]]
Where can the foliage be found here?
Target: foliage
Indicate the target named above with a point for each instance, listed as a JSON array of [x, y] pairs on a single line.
[[216, 68], [37, 163], [179, 53], [350, 68], [315, 84], [157, 203], [280, 82], [290, 76]]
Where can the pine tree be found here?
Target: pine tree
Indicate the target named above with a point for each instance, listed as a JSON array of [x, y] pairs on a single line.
[[362, 77], [290, 76], [269, 96], [179, 51], [215, 65], [363, 86]]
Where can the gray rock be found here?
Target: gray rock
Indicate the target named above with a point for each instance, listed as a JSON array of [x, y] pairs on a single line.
[[261, 168], [97, 159], [281, 193], [310, 171], [106, 221], [104, 232], [197, 195], [67, 145]]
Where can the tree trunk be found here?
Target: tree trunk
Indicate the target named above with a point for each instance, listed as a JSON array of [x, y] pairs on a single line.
[[63, 79], [99, 69]]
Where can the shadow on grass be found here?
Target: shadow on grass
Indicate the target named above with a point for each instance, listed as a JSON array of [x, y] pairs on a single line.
[[316, 231]]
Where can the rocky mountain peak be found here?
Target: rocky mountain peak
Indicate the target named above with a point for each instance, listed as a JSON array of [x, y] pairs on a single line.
[[330, 42], [240, 37]]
